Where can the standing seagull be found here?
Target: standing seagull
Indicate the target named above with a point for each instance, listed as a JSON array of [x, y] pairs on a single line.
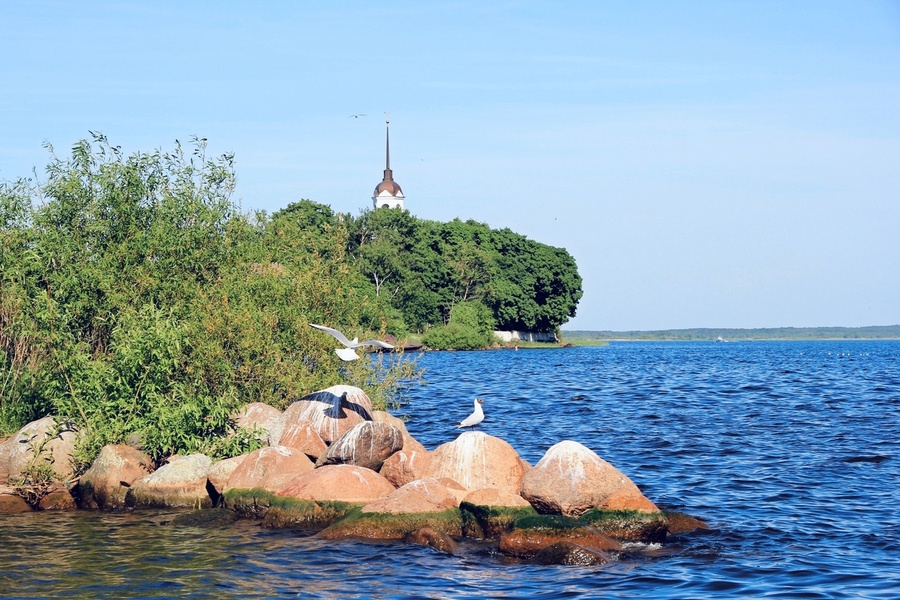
[[475, 418], [347, 354]]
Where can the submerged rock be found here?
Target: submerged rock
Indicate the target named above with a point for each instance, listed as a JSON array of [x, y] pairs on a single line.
[[478, 461], [366, 444], [533, 534], [571, 479], [105, 484], [571, 554], [426, 536]]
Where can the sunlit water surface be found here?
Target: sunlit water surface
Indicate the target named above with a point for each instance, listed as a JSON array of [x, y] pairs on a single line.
[[789, 450]]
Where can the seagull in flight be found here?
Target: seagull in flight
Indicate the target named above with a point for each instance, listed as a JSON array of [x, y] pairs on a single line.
[[355, 116], [475, 418], [347, 353]]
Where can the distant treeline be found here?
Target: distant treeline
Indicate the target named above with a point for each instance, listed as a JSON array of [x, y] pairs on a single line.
[[875, 332]]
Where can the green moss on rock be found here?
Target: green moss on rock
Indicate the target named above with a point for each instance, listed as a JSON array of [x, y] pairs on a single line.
[[251, 503], [306, 514], [630, 525], [391, 526], [490, 522]]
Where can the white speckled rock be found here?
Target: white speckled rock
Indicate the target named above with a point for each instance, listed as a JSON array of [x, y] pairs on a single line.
[[571, 479]]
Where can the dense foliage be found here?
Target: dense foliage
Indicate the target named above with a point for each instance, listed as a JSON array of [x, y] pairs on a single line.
[[137, 302], [426, 268]]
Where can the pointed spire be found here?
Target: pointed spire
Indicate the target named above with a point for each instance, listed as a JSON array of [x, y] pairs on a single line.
[[388, 192], [387, 147]]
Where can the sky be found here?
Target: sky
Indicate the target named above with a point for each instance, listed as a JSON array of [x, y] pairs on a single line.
[[707, 164]]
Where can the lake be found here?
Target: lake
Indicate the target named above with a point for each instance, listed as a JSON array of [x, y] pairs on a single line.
[[790, 451]]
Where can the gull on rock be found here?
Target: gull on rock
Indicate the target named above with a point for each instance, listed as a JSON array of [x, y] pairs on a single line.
[[475, 418], [347, 353]]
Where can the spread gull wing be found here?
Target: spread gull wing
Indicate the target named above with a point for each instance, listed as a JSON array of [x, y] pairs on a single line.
[[335, 333], [373, 343]]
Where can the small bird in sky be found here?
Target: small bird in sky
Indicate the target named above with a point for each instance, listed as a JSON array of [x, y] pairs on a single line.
[[356, 116], [475, 418], [347, 353]]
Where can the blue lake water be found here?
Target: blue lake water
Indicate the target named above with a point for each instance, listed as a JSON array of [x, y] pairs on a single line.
[[789, 450]]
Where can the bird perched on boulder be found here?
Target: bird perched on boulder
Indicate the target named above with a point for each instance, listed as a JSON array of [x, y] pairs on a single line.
[[475, 418], [347, 353]]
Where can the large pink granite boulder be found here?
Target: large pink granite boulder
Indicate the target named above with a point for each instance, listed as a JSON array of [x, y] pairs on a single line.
[[331, 412], [340, 483], [269, 469], [105, 484], [478, 461], [402, 467], [571, 479], [418, 505], [366, 444], [258, 415], [302, 436], [181, 483]]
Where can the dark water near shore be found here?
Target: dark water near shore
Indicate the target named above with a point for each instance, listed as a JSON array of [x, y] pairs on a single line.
[[789, 450]]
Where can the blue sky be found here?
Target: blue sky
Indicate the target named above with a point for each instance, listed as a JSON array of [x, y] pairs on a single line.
[[708, 164]]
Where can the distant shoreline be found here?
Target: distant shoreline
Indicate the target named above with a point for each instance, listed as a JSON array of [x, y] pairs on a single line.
[[876, 332]]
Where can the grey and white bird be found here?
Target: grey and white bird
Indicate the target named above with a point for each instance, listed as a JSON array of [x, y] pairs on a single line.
[[347, 353], [475, 418]]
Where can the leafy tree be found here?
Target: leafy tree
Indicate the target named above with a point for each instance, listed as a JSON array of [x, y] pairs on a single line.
[[136, 301]]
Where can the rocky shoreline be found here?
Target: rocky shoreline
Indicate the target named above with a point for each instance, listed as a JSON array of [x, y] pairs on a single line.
[[338, 467]]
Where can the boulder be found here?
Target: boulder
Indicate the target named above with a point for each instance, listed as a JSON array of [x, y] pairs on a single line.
[[54, 443], [331, 412], [105, 484], [181, 483], [301, 436], [533, 534], [571, 479], [424, 503], [269, 469], [57, 497], [258, 415], [409, 442], [478, 461], [489, 513], [320, 497], [344, 483], [402, 467], [426, 536], [221, 470], [679, 522], [571, 554], [11, 502], [366, 444]]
